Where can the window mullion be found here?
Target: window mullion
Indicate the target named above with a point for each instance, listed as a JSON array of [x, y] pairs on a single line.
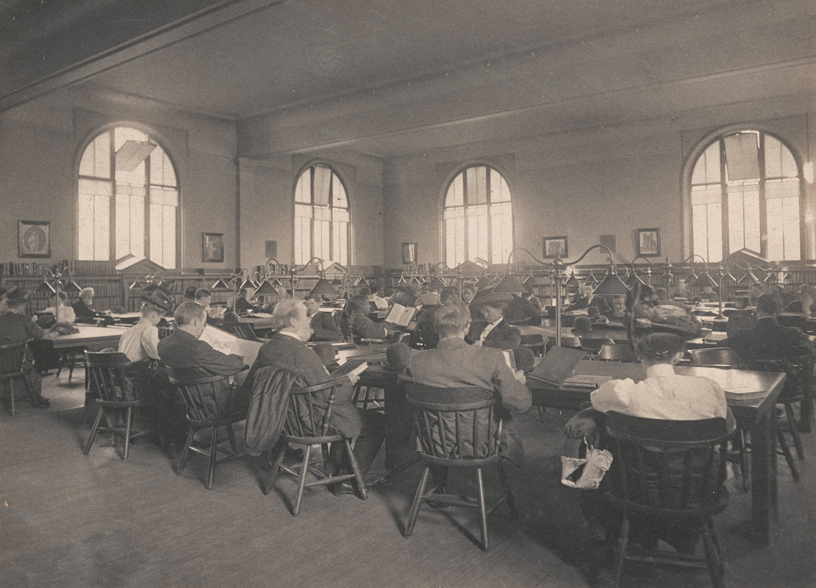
[[763, 213], [726, 242], [112, 203], [147, 221]]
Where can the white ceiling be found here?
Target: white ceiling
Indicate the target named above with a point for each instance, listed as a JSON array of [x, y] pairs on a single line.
[[303, 74]]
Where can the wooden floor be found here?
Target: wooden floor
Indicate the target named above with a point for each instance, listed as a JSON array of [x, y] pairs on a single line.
[[68, 520]]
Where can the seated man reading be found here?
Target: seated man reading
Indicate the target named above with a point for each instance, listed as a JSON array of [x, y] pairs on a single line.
[[287, 350], [455, 364], [767, 333], [322, 323], [359, 322]]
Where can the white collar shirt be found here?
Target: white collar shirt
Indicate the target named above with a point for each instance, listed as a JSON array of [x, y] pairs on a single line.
[[140, 341], [488, 328]]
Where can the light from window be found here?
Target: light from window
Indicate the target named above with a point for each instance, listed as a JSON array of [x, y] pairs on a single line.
[[321, 217], [128, 200], [745, 193], [478, 217]]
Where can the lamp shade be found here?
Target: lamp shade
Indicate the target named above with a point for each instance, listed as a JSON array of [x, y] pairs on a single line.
[[571, 283], [611, 285], [705, 280], [510, 284], [336, 282], [45, 288], [220, 285], [633, 280], [136, 285], [437, 282], [749, 278], [483, 281], [591, 279], [72, 287], [266, 289], [322, 289], [248, 284]]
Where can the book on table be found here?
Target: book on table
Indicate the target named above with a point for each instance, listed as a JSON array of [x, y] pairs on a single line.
[[558, 365], [400, 315], [586, 381], [352, 366]]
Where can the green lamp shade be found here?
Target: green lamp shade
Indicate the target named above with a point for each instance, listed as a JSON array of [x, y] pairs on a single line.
[[322, 289], [611, 285], [510, 284]]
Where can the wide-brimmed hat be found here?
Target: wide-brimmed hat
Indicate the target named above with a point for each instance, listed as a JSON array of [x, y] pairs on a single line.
[[582, 324], [160, 297], [396, 356], [16, 297]]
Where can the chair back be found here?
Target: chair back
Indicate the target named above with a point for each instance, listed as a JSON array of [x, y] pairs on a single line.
[[455, 423], [113, 378], [721, 357], [203, 397], [309, 412], [242, 330], [661, 465], [593, 346], [617, 353], [796, 362], [571, 341], [12, 357]]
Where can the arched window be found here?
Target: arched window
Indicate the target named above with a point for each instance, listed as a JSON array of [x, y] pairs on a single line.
[[478, 217], [745, 192], [128, 199], [321, 217]]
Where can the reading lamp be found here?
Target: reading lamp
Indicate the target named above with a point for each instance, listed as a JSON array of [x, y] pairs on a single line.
[[235, 278], [635, 278], [56, 281]]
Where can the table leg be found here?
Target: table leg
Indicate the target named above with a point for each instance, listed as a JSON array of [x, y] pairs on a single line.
[[763, 477]]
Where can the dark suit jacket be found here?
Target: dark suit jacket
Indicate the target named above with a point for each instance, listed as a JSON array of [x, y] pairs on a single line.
[[243, 305], [325, 328], [767, 333], [455, 364], [18, 327], [289, 353], [364, 327], [503, 336], [182, 350], [82, 310]]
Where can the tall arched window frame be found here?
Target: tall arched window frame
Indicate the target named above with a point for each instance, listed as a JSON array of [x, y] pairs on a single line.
[[745, 191], [128, 199], [322, 219], [478, 217]]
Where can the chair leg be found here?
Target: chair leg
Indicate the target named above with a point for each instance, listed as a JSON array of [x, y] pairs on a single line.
[[482, 509], [231, 435], [270, 483], [128, 420], [186, 451], [94, 431], [797, 438], [213, 458], [304, 469], [508, 491], [783, 445], [714, 565], [620, 557], [71, 366], [11, 396], [710, 523], [361, 485], [420, 492]]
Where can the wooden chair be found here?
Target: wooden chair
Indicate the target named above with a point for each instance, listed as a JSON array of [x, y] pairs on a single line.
[[242, 330], [593, 346], [671, 472], [369, 397], [308, 424], [210, 404], [457, 427], [617, 353], [571, 341], [536, 342], [13, 367], [118, 385], [797, 363], [721, 357]]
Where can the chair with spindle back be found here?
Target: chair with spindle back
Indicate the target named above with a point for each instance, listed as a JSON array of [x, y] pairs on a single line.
[[13, 367], [671, 472], [797, 363], [617, 353], [308, 423], [118, 385], [461, 428], [210, 403], [241, 330]]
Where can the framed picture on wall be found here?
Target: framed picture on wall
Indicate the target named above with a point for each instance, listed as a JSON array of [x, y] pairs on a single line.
[[648, 242], [212, 247], [409, 253], [33, 238], [555, 247]]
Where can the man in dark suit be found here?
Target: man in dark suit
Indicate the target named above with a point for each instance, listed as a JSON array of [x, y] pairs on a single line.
[[455, 364], [322, 323], [767, 332], [490, 329], [287, 350], [184, 350]]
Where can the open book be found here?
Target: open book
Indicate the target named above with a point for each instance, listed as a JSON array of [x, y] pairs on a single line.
[[353, 366], [400, 315], [557, 365], [230, 344]]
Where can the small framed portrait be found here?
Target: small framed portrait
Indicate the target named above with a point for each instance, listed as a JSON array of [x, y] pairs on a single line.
[[212, 247], [33, 238], [555, 247], [409, 253], [648, 242]]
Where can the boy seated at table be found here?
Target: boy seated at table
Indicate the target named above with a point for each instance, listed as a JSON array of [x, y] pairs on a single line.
[[16, 327]]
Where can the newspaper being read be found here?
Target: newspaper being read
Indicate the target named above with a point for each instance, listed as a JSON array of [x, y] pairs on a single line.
[[230, 344]]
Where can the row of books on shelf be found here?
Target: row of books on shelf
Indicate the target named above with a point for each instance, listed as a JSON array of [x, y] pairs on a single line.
[[75, 267]]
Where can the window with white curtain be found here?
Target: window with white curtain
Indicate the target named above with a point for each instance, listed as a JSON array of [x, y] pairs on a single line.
[[478, 217], [128, 199], [321, 217], [745, 192]]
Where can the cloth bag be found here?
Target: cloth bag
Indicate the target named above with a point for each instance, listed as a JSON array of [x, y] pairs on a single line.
[[585, 473]]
